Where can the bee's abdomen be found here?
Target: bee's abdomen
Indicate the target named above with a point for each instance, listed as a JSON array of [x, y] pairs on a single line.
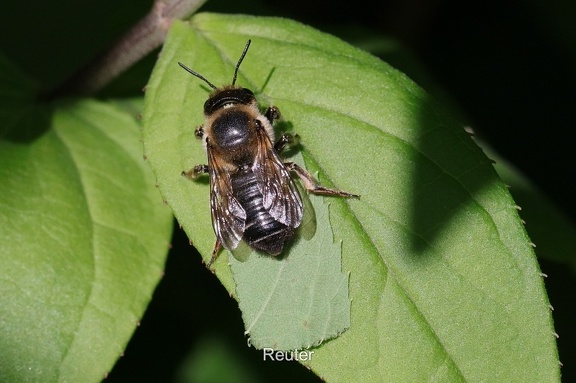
[[262, 231]]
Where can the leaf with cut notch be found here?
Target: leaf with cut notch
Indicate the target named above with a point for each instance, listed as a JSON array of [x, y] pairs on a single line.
[[299, 301], [443, 280]]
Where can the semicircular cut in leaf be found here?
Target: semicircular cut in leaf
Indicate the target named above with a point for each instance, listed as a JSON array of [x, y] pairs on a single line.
[[84, 238], [299, 301], [443, 279]]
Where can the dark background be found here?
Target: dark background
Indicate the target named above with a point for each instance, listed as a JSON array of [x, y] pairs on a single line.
[[508, 68]]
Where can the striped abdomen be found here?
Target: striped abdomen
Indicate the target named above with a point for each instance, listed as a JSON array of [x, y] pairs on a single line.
[[262, 231]]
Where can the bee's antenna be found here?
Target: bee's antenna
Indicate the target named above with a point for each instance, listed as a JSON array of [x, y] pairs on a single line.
[[199, 75], [240, 61]]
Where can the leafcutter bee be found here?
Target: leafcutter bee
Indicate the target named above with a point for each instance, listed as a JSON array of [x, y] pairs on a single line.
[[252, 196]]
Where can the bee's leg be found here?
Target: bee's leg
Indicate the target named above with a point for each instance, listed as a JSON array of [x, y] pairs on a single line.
[[311, 185], [217, 247], [199, 132], [286, 140], [195, 171], [272, 114]]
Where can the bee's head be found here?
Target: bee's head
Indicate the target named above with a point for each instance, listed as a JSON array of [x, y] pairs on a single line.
[[227, 95]]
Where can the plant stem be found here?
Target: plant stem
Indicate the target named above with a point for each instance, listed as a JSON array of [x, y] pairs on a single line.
[[148, 34]]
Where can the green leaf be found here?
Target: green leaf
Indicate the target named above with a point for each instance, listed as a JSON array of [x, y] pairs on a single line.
[[84, 238], [443, 279]]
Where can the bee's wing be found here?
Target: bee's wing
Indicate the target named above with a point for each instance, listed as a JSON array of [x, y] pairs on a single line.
[[280, 194], [228, 216]]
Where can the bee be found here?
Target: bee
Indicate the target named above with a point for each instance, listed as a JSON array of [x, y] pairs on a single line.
[[252, 195]]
